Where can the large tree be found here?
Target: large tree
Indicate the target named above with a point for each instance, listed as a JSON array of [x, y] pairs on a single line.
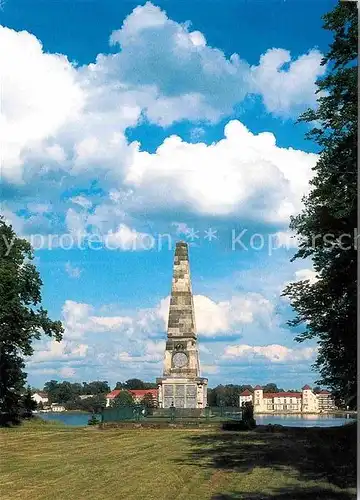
[[22, 319], [327, 307], [28, 404], [69, 393], [226, 395], [271, 387], [134, 383], [52, 390], [148, 400], [124, 398], [96, 387]]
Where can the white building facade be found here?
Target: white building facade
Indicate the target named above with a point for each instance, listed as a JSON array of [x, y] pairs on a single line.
[[40, 397], [325, 401], [305, 401], [245, 397], [57, 407]]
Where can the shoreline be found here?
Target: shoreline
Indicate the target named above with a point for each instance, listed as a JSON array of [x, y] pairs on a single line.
[[74, 412], [352, 413], [339, 413]]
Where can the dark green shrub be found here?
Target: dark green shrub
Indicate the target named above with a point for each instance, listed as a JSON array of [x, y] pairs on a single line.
[[248, 415], [93, 420]]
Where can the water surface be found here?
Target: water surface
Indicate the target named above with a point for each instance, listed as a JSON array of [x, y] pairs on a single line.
[[81, 419], [68, 418], [303, 420]]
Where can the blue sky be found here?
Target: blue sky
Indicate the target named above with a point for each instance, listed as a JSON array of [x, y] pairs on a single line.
[[131, 126]]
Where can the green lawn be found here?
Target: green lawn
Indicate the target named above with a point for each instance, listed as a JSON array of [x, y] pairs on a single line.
[[48, 461]]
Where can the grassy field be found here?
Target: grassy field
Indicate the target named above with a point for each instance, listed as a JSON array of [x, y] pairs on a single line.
[[52, 462]]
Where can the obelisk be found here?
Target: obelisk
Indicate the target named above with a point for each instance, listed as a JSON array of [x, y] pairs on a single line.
[[181, 385]]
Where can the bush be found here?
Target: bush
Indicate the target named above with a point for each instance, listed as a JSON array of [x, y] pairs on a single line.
[[93, 420], [248, 416]]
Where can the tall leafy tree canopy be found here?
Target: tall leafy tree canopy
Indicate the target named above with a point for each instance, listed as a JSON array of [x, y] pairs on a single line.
[[124, 398], [148, 400], [135, 383], [271, 388], [22, 319], [64, 392], [28, 404], [326, 226], [95, 387]]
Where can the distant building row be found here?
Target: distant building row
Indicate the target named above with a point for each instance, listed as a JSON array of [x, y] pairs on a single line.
[[138, 395], [42, 397], [305, 401]]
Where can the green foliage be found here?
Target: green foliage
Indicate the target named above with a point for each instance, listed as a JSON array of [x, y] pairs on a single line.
[[92, 404], [22, 319], [135, 383], [28, 404], [248, 415], [59, 392], [271, 388], [326, 226], [93, 420], [95, 404], [148, 401], [225, 395], [69, 393], [96, 387], [124, 398], [228, 395]]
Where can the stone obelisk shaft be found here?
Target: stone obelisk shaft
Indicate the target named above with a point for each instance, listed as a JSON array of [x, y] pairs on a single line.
[[181, 385], [181, 312]]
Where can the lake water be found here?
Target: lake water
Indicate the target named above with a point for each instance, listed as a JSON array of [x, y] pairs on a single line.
[[81, 419], [303, 420], [75, 419]]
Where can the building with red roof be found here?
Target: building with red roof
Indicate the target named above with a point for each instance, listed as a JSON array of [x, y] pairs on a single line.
[[245, 396], [138, 395], [305, 401], [246, 393]]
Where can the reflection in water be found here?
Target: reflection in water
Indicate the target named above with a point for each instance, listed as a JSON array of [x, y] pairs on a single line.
[[302, 420], [81, 419]]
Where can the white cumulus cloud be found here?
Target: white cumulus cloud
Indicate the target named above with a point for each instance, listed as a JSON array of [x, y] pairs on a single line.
[[80, 320], [40, 93], [59, 351], [69, 121], [243, 173], [287, 91], [274, 353], [225, 317]]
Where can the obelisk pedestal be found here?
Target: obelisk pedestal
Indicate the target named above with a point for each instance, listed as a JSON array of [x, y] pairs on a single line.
[[181, 385]]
